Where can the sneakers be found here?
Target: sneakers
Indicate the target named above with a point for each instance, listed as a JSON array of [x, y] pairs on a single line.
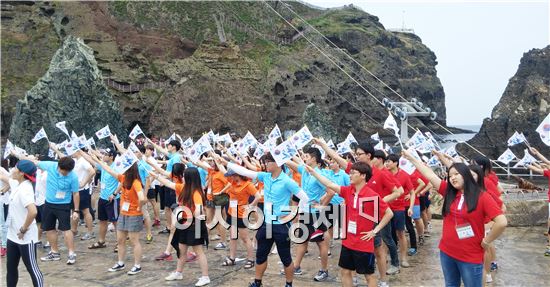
[[87, 236], [253, 284], [421, 240], [164, 256], [297, 271], [149, 238], [174, 276], [220, 246], [392, 270], [547, 253], [412, 251], [46, 245], [494, 266], [383, 284], [52, 256], [274, 251], [116, 267], [488, 278], [215, 238], [111, 227], [191, 256], [405, 264], [355, 281], [156, 223], [72, 259], [135, 270], [204, 280], [165, 231], [321, 276], [317, 236]]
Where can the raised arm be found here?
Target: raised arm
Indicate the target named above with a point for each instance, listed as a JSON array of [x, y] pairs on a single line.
[[116, 142], [56, 150], [157, 168], [157, 147], [105, 167], [323, 180], [443, 158], [424, 170], [242, 170], [331, 153], [539, 155], [164, 181], [535, 168]]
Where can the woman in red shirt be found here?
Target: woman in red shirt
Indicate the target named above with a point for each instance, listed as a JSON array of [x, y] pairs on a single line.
[[464, 211]]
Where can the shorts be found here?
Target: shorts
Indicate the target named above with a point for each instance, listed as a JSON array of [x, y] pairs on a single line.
[[107, 211], [310, 225], [190, 236], [424, 202], [416, 212], [169, 197], [239, 221], [130, 223], [39, 211], [359, 261], [53, 213], [85, 199], [279, 236], [210, 204], [398, 220], [152, 193], [330, 212]]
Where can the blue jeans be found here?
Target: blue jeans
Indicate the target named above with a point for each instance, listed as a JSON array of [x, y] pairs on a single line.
[[455, 270], [385, 234]]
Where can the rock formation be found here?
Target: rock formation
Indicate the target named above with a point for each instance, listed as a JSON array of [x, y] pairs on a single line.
[[522, 107], [72, 90]]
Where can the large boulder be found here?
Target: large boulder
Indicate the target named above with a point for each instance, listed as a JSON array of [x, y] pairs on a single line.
[[72, 90]]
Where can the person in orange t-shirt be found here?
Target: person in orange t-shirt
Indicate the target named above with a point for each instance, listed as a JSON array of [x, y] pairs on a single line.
[[239, 194], [130, 220], [191, 200]]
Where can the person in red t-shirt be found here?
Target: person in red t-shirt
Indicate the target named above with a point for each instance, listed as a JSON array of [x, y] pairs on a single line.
[[465, 208], [545, 171], [361, 201], [398, 205]]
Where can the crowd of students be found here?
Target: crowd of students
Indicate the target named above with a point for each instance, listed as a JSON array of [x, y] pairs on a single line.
[[363, 198]]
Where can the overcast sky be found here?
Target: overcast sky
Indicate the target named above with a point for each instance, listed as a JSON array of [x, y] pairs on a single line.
[[478, 44]]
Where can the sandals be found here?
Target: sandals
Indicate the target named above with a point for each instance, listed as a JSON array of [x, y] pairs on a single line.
[[228, 261], [249, 264], [97, 245]]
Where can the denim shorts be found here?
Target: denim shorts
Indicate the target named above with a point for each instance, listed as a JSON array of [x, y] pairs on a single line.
[[416, 212]]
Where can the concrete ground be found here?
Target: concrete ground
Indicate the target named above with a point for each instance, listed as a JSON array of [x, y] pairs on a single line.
[[519, 250]]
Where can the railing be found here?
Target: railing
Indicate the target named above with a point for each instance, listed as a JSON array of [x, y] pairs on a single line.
[[508, 170], [237, 24], [132, 88]]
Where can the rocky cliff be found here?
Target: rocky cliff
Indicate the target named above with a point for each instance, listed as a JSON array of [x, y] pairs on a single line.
[[522, 107], [231, 66]]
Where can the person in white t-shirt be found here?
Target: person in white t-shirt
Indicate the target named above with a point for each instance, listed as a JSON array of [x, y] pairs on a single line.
[[40, 189], [22, 229], [4, 201]]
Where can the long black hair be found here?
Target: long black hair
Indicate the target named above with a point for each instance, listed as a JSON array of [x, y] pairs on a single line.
[[192, 181], [471, 189], [178, 170], [480, 176], [484, 163], [130, 175]]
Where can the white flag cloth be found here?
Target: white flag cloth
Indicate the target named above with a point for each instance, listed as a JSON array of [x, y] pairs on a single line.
[[259, 152], [62, 127], [284, 152], [19, 150], [82, 141], [302, 137], [51, 153], [406, 165], [388, 148], [331, 145], [275, 133], [433, 161], [248, 141], [426, 147], [416, 140], [515, 139], [375, 137], [211, 136], [200, 147], [527, 159], [62, 144], [103, 133], [351, 139], [71, 147], [187, 143], [73, 135], [390, 123], [90, 142], [135, 132], [171, 138], [124, 161], [321, 150], [379, 145], [8, 149], [270, 143], [507, 156], [430, 137], [132, 146], [343, 147], [226, 138], [451, 151], [544, 130], [39, 135]]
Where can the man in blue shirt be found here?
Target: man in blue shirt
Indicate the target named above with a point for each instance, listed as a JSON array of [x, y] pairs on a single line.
[[61, 186], [278, 190], [108, 204]]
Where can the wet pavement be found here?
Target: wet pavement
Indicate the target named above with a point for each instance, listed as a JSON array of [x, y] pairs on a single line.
[[520, 258]]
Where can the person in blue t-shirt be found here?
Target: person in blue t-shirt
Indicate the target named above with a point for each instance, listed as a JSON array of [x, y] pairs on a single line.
[[61, 186], [278, 190], [108, 203]]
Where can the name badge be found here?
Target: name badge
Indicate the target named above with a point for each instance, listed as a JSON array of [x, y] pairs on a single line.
[[102, 186], [464, 231], [60, 195], [352, 227], [125, 206], [233, 203]]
